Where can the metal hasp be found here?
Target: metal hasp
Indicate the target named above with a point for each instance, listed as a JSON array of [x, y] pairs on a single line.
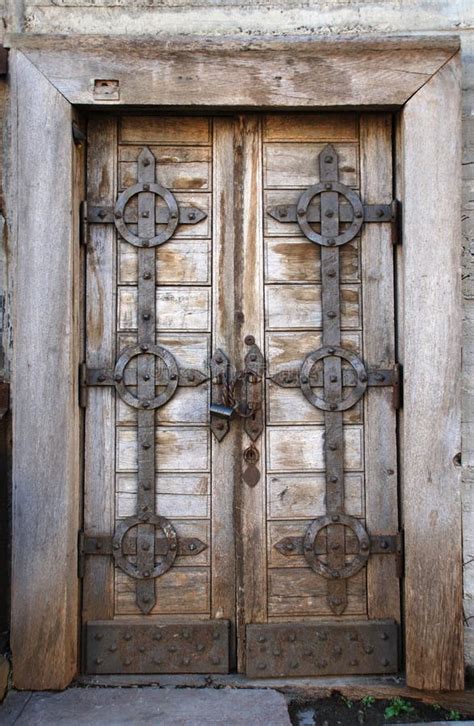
[[307, 649], [145, 545], [327, 540], [132, 647], [237, 394]]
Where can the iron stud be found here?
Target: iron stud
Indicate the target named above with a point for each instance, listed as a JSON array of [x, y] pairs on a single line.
[[353, 636], [113, 648], [146, 573], [334, 479], [331, 242], [219, 359], [328, 186], [98, 636], [385, 662], [173, 215], [335, 546], [173, 546], [328, 159], [262, 639], [191, 377], [384, 544], [262, 666], [331, 273], [329, 213], [304, 379], [292, 637], [192, 547], [364, 545], [127, 636], [384, 636], [172, 649], [331, 314], [290, 546], [322, 636], [145, 548], [363, 377], [294, 664], [146, 187], [101, 378], [146, 445], [98, 546], [116, 546], [333, 406], [300, 212], [157, 636], [98, 661], [173, 376], [157, 661], [216, 635], [144, 347], [146, 161], [333, 379], [358, 214], [215, 660], [335, 574], [332, 447], [283, 212], [337, 650], [186, 634], [118, 378], [145, 243], [142, 649], [186, 661], [146, 316], [354, 662], [146, 377], [200, 647], [146, 599], [146, 404], [191, 215], [379, 377], [276, 652], [368, 649], [249, 340], [335, 518], [147, 275], [145, 215], [117, 215]]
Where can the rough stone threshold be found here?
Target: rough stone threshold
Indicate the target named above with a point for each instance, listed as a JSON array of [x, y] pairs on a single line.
[[152, 705]]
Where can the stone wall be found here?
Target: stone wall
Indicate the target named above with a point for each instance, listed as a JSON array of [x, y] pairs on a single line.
[[280, 17]]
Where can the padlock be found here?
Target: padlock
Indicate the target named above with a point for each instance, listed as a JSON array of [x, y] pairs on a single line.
[[221, 411]]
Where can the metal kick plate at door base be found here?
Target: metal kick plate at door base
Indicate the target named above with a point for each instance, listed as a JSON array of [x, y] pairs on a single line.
[[134, 647], [306, 649]]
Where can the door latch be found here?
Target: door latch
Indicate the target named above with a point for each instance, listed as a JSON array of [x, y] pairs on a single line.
[[237, 394]]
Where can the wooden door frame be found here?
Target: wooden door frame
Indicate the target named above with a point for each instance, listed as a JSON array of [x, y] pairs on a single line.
[[50, 77]]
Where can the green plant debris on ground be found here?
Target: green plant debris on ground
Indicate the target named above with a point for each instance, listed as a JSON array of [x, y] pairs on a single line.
[[367, 701], [398, 707]]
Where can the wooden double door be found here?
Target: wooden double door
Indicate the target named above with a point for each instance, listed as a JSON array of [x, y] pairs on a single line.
[[240, 476]]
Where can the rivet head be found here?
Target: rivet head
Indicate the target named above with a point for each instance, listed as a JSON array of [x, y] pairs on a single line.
[[385, 662], [335, 547], [329, 213], [354, 662], [294, 664], [219, 425], [331, 242], [322, 636], [331, 314], [173, 215], [98, 636], [191, 215], [384, 636], [146, 316], [191, 377], [353, 636], [337, 650], [144, 347], [290, 546], [304, 379], [292, 637], [262, 666], [200, 647], [364, 545], [98, 661], [146, 445], [186, 634], [333, 379], [127, 636], [219, 359], [145, 243], [101, 378], [191, 547], [216, 635], [118, 378], [157, 636], [173, 376], [116, 546], [379, 377], [146, 161], [384, 544], [146, 573], [358, 214], [300, 212], [332, 447], [333, 406], [113, 648], [146, 275], [328, 186], [331, 273], [334, 479], [215, 660], [146, 187], [98, 546], [157, 661], [335, 518], [262, 639], [328, 159], [276, 652], [145, 547], [145, 215], [186, 661], [335, 573], [283, 212], [146, 599], [142, 649], [146, 404], [173, 546], [172, 649], [363, 377], [128, 661], [322, 663], [368, 649]]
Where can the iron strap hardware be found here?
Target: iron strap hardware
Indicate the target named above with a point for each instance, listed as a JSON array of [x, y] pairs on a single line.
[[322, 649], [144, 545], [330, 538]]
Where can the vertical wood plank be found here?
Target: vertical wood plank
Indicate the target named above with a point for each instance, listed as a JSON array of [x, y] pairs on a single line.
[[252, 590], [99, 465], [432, 337], [383, 593], [225, 463], [44, 386]]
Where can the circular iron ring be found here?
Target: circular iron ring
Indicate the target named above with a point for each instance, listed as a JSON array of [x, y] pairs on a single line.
[[319, 402], [164, 396], [171, 225], [128, 567], [348, 234], [322, 568]]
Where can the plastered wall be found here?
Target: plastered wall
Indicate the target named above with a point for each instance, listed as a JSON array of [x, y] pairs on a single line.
[[279, 17]]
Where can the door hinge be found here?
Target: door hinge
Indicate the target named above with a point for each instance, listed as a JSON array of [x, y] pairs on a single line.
[[397, 387], [84, 225], [82, 393], [397, 226]]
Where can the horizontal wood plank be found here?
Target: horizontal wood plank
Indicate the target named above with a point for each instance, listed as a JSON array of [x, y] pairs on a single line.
[[300, 448]]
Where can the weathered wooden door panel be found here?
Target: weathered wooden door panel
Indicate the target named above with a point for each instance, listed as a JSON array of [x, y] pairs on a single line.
[[258, 520]]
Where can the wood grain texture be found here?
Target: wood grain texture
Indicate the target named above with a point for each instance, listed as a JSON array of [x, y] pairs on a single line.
[[44, 386], [225, 459], [264, 72], [99, 442], [378, 301], [432, 346]]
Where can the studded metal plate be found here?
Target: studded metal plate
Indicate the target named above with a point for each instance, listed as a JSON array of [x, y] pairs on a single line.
[[133, 647], [306, 649]]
